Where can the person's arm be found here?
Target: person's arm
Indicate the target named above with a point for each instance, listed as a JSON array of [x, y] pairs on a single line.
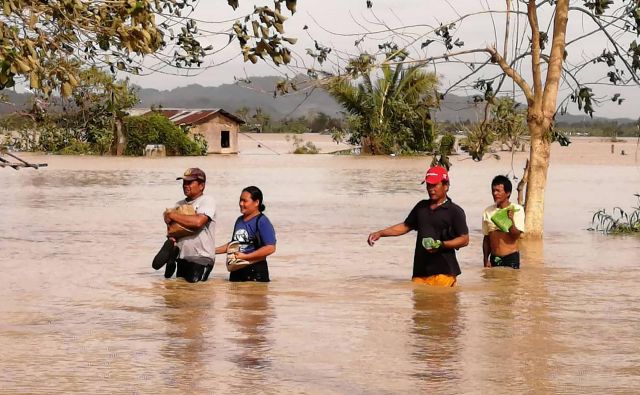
[[395, 230], [486, 251], [222, 249], [193, 222], [257, 255], [458, 242], [513, 231]]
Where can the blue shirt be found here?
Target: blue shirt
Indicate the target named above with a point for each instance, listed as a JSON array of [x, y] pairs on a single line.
[[247, 233]]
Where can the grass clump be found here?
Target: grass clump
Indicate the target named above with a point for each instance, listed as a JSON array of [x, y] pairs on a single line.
[[618, 222]]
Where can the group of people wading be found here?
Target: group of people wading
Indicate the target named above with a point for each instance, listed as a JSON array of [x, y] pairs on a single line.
[[189, 250]]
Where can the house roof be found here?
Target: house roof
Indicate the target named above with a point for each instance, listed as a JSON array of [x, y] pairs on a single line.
[[183, 116]]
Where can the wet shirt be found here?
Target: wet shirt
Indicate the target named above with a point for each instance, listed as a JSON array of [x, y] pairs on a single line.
[[247, 233], [446, 222], [200, 248]]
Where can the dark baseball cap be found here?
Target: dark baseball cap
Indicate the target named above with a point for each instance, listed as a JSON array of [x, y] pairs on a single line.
[[192, 174]]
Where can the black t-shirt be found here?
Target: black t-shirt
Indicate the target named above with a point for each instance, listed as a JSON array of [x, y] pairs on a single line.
[[446, 222]]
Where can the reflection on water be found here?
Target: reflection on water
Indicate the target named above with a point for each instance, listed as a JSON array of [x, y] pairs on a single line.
[[186, 312], [437, 329], [252, 328], [81, 306]]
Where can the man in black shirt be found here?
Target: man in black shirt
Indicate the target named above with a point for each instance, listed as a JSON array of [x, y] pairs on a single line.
[[442, 229]]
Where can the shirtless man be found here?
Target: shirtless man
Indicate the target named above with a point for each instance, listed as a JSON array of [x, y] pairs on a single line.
[[500, 248]]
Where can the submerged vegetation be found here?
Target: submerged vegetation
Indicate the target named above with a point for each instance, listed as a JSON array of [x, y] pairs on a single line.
[[618, 222], [301, 147]]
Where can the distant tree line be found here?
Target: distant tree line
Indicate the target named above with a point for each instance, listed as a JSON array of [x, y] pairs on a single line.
[[259, 121], [94, 120], [601, 128]]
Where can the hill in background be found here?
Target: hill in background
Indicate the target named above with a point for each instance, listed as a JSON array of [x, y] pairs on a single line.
[[259, 94]]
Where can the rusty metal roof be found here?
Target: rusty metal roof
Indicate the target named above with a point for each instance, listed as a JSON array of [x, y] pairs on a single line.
[[183, 116]]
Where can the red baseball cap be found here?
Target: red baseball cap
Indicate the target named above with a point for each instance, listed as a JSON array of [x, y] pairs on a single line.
[[435, 175]]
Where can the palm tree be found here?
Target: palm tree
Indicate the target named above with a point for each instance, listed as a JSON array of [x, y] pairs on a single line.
[[392, 113]]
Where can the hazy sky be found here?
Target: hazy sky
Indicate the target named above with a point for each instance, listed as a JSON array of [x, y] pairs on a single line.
[[339, 23]]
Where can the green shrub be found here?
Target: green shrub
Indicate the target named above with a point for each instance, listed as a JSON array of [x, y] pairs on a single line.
[[308, 148], [100, 139], [301, 147], [54, 139], [201, 142], [158, 129], [76, 147], [141, 131]]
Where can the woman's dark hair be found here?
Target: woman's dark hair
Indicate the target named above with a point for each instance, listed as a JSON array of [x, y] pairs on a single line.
[[256, 194]]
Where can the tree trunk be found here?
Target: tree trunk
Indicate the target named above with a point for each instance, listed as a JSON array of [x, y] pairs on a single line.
[[523, 183], [537, 179], [541, 112], [121, 139]]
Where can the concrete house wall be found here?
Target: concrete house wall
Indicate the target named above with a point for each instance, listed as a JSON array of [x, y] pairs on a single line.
[[213, 129]]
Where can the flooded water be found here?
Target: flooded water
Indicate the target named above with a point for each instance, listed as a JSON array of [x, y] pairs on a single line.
[[81, 309]]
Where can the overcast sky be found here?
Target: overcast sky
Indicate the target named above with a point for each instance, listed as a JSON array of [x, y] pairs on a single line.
[[339, 23]]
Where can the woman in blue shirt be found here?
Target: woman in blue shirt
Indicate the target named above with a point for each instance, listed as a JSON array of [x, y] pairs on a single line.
[[256, 236]]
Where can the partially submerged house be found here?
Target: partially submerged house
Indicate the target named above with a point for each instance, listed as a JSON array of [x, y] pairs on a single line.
[[219, 127]]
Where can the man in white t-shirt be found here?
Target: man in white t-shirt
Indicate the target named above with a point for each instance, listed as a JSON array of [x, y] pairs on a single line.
[[500, 246], [193, 254]]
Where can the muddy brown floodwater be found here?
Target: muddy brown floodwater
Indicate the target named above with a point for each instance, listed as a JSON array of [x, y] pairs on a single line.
[[81, 309]]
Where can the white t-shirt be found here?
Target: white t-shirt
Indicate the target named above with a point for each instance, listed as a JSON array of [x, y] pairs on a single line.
[[488, 226], [201, 247]]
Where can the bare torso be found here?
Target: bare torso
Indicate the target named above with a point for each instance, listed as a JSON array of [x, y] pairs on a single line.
[[502, 243]]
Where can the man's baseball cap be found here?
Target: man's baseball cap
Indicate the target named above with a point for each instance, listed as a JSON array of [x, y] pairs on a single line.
[[192, 174], [435, 175]]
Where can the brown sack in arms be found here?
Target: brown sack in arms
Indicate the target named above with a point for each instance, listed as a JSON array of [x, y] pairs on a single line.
[[176, 230]]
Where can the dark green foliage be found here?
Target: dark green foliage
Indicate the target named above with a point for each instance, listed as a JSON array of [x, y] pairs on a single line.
[[76, 147], [54, 138], [157, 129], [141, 131], [390, 114], [584, 98], [560, 137], [445, 149]]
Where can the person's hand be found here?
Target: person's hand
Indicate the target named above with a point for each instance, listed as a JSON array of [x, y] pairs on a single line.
[[487, 263], [373, 237], [510, 212], [431, 245], [240, 255], [167, 217], [433, 250]]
